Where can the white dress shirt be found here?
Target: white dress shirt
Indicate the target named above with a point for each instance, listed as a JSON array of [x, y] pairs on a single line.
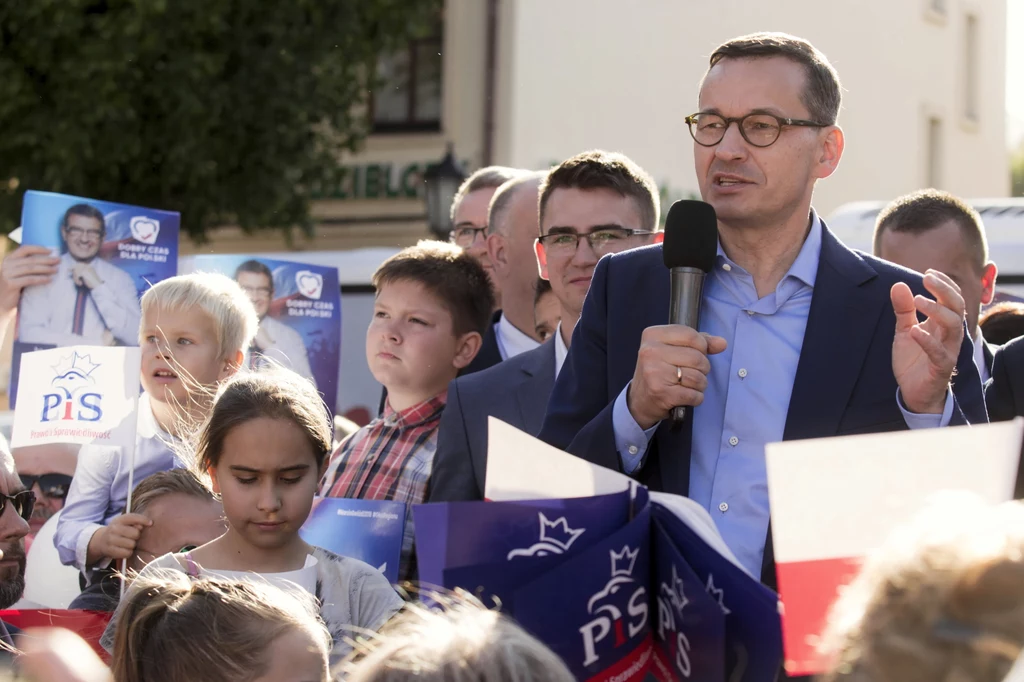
[[979, 356], [561, 350], [511, 341], [286, 349], [46, 311], [99, 489]]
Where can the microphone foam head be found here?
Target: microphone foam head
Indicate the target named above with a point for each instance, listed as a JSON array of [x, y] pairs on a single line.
[[691, 236]]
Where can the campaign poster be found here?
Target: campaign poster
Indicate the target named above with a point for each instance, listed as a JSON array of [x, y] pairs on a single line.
[[110, 254], [299, 306], [368, 530], [81, 395]]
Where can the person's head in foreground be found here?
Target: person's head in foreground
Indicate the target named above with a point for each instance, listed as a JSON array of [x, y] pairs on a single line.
[[177, 629], [464, 642], [942, 601]]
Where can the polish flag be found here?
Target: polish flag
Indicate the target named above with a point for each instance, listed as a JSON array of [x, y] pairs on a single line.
[[834, 500]]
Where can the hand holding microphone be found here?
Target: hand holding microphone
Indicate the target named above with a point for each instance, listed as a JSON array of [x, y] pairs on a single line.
[[672, 364]]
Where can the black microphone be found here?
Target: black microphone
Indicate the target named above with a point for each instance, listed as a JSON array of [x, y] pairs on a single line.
[[689, 250]]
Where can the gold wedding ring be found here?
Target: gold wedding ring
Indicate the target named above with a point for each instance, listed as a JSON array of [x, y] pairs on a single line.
[[679, 375]]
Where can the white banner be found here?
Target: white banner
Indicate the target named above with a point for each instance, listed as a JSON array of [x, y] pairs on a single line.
[[78, 394]]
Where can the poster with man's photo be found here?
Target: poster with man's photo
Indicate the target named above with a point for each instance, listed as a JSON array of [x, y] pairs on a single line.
[[110, 254], [299, 307]]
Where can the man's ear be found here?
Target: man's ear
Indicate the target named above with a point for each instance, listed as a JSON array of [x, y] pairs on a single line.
[[830, 152], [659, 237], [231, 365], [988, 283], [496, 250], [542, 259], [468, 345]]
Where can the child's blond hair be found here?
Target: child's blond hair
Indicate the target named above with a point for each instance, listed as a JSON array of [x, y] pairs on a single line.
[[461, 642], [221, 298], [175, 629], [943, 600]]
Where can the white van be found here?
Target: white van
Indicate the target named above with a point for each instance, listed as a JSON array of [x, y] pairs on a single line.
[[854, 224], [358, 392]]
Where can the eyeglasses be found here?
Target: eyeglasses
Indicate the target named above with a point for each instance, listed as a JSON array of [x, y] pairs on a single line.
[[23, 503], [51, 485], [601, 241], [79, 231], [262, 292], [760, 130], [466, 236]]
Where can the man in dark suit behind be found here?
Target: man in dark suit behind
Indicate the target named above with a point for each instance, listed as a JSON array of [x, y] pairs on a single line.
[[1004, 394], [934, 230], [800, 337], [592, 204]]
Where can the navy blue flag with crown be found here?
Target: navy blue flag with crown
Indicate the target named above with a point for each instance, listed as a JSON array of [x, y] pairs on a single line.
[[621, 583]]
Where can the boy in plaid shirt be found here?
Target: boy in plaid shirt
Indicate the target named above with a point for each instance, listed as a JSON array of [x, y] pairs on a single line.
[[432, 307]]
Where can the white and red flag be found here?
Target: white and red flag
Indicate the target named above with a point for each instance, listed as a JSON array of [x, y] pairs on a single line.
[[835, 500]]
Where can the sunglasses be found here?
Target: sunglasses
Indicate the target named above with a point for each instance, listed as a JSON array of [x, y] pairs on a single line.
[[51, 485], [22, 502]]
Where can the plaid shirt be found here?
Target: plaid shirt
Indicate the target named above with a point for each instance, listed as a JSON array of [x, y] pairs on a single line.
[[390, 458]]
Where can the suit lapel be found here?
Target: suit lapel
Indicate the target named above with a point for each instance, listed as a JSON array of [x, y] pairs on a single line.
[[831, 356], [533, 393]]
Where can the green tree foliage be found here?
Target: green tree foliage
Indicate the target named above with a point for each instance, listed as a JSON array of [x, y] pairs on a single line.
[[225, 110]]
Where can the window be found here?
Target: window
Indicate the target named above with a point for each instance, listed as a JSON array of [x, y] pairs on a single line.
[[409, 96], [971, 71], [933, 158]]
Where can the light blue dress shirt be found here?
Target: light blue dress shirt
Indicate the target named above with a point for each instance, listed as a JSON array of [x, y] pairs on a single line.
[[747, 398]]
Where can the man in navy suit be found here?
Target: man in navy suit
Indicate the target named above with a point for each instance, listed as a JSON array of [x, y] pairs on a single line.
[[800, 337], [932, 229], [592, 204]]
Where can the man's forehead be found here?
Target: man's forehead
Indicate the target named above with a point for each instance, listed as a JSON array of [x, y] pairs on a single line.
[[736, 86], [586, 208], [46, 459], [83, 220]]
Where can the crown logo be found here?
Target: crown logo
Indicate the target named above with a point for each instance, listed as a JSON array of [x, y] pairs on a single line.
[[718, 594], [558, 532], [73, 372], [622, 562], [676, 595], [556, 537]]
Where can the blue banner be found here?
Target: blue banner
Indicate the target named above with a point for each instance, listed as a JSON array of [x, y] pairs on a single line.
[[299, 306], [368, 530]]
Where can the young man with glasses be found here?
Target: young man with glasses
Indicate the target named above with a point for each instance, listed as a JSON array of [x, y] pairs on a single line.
[[592, 204], [799, 336], [275, 341], [88, 301]]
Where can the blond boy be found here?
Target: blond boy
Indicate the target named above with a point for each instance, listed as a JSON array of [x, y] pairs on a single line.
[[432, 307], [193, 332]]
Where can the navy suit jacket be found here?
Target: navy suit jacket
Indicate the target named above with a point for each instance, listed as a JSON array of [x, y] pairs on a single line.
[[844, 382], [515, 391], [1004, 393]]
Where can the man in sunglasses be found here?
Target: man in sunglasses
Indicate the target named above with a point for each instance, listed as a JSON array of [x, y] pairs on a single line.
[[15, 509], [46, 470]]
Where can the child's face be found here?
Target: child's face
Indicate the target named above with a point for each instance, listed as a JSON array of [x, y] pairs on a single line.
[[266, 477], [179, 351], [411, 345], [295, 657]]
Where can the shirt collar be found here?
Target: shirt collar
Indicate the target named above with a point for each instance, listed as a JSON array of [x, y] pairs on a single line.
[[511, 340], [805, 267], [418, 414], [979, 355], [561, 350], [146, 424]]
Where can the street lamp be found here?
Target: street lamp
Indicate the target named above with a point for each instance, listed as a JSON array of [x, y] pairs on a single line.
[[442, 181]]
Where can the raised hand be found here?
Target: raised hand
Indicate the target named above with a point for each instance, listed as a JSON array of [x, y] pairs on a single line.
[[924, 354]]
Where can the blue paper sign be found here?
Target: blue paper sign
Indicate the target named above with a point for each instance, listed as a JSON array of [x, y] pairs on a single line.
[[110, 254], [753, 631], [689, 626], [299, 306], [368, 530]]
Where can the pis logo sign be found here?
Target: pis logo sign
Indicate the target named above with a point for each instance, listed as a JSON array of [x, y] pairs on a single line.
[[74, 396], [608, 618]]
